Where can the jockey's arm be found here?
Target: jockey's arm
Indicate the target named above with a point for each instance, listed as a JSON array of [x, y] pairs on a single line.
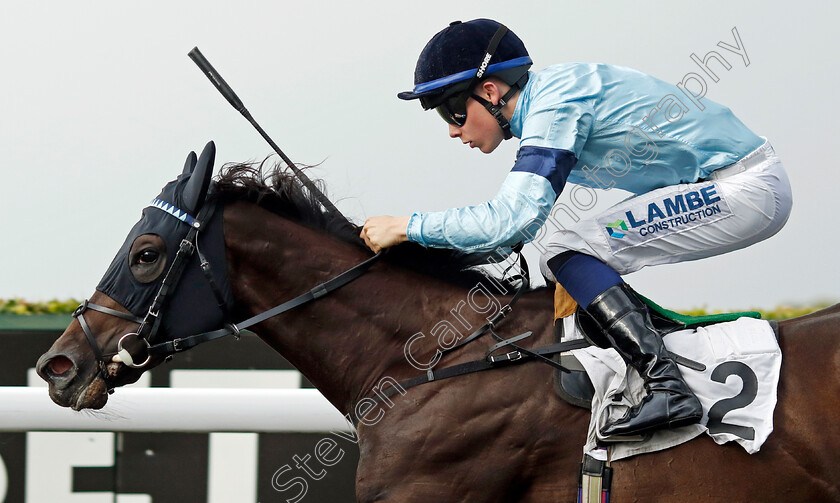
[[522, 204]]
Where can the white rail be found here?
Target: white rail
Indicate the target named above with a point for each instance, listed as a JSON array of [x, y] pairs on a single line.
[[176, 410]]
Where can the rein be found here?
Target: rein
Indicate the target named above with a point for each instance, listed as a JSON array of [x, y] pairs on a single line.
[[178, 345]]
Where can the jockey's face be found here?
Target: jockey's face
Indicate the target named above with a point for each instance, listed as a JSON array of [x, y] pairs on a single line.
[[481, 130]]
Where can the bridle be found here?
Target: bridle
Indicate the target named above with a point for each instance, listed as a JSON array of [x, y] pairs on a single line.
[[149, 325]]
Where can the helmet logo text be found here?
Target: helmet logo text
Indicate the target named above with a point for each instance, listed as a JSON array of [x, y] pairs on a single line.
[[483, 67]]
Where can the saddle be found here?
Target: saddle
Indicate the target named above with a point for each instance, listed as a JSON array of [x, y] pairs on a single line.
[[575, 386]]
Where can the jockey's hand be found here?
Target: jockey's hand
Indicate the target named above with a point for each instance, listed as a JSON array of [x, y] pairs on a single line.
[[383, 232]]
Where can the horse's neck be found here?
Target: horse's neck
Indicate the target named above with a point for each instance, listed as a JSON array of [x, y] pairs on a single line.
[[345, 342]]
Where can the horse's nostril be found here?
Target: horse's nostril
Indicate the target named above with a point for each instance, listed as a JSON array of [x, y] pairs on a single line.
[[59, 365]]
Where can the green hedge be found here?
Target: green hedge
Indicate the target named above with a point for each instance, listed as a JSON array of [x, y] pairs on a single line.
[[20, 306], [779, 313]]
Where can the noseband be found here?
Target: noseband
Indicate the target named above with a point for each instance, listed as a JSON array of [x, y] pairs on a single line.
[[149, 325], [102, 358]]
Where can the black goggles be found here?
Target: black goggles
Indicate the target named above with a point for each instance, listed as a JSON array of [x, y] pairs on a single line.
[[454, 109]]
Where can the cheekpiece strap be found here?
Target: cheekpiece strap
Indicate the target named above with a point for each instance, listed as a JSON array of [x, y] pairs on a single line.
[[148, 329]]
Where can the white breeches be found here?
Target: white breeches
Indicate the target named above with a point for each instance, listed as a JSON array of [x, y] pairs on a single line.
[[739, 205]]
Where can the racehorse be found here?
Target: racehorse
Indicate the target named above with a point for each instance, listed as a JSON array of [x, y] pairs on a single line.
[[494, 436]]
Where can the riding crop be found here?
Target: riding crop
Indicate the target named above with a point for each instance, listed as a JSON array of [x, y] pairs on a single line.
[[234, 100]]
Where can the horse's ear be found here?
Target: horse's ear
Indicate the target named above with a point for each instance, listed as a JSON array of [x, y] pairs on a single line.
[[199, 181], [190, 164]]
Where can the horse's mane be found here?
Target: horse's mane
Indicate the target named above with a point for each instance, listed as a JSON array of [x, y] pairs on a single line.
[[280, 191]]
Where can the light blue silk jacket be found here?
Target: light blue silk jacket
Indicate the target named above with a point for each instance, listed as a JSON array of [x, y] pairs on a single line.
[[601, 125]]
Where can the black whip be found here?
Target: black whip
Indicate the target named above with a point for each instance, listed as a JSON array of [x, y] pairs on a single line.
[[234, 100]]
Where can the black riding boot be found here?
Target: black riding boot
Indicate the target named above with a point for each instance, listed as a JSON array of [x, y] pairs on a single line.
[[669, 402]]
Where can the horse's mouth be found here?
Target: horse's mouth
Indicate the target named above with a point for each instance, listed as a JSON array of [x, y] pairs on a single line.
[[93, 395]]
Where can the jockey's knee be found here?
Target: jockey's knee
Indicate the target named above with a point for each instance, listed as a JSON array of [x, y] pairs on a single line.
[[545, 270]]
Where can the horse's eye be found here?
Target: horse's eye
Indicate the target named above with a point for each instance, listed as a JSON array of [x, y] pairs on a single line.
[[148, 256]]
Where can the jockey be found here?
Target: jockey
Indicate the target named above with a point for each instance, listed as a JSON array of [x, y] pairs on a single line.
[[704, 185]]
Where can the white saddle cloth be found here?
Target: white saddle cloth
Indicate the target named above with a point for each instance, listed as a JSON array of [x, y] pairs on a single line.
[[737, 389]]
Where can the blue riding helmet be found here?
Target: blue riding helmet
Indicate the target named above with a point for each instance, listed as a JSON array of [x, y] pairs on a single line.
[[460, 56]]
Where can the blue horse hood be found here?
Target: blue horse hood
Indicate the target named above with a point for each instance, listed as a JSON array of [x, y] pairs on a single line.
[[191, 307]]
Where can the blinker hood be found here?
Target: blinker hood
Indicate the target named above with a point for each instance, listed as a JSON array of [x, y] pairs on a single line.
[[192, 307]]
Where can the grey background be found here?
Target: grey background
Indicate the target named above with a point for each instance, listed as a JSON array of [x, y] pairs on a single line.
[[100, 105]]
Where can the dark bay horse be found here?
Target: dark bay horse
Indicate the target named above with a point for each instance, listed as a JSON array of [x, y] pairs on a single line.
[[495, 436]]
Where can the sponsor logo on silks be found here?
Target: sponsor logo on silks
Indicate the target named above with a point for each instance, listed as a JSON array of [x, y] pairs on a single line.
[[614, 229], [676, 211], [640, 220]]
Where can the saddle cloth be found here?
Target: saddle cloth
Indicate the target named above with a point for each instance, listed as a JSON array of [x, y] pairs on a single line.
[[737, 388]]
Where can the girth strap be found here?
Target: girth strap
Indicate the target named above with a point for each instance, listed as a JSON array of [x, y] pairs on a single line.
[[595, 481]]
